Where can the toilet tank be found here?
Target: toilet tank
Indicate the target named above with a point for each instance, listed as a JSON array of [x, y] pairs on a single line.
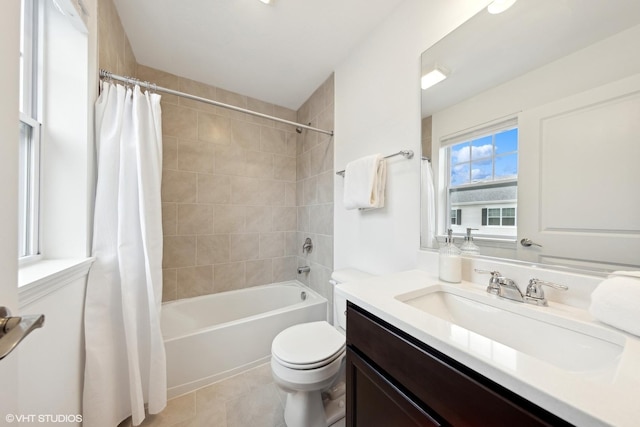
[[339, 302]]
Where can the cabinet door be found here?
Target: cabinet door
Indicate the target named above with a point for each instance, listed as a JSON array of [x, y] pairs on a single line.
[[372, 401]]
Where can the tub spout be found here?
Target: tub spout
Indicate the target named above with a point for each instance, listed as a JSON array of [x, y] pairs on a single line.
[[304, 269]]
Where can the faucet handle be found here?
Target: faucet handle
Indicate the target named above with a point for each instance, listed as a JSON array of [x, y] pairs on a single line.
[[492, 273], [534, 290], [494, 282]]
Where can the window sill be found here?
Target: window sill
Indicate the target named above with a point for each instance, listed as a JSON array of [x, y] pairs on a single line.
[[41, 278]]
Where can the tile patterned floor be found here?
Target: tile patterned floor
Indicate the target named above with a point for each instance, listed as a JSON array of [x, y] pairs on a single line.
[[249, 399]]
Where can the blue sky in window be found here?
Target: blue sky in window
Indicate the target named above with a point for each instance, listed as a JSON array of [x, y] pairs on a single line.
[[487, 158]]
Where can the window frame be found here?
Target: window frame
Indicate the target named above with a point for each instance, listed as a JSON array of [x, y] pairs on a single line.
[[468, 136], [30, 141]]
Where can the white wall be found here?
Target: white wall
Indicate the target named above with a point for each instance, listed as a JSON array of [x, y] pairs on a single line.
[[44, 374], [9, 55], [52, 358], [377, 109]]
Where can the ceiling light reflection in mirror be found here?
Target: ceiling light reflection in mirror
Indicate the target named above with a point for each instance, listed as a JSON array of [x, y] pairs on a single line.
[[490, 50]]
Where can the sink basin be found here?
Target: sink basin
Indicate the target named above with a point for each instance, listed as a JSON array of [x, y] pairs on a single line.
[[499, 329]]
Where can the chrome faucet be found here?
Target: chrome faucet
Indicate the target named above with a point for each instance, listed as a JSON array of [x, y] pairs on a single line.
[[507, 288], [535, 294], [304, 269], [502, 286], [494, 282]]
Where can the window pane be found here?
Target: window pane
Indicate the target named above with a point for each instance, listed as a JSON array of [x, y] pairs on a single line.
[[23, 189], [22, 209], [507, 141], [507, 166], [494, 221], [481, 171], [493, 212], [460, 153], [508, 221], [460, 174], [482, 148], [509, 212]]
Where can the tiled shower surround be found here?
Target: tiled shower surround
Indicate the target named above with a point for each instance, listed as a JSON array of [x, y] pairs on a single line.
[[230, 193], [239, 193], [314, 191]]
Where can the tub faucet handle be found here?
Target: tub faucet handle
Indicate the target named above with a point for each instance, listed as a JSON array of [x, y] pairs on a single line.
[[307, 246]]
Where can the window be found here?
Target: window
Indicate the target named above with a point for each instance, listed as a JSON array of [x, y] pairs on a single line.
[[499, 216], [456, 216], [30, 132], [55, 145], [482, 181]]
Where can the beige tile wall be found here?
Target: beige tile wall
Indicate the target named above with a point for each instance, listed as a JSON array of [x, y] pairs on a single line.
[[314, 189], [228, 191], [426, 136], [114, 53], [239, 193]]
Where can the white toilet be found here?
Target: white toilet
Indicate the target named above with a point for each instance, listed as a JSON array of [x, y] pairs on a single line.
[[307, 359]]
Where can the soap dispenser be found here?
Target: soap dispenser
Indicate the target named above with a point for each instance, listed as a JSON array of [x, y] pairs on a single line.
[[468, 247], [450, 261]]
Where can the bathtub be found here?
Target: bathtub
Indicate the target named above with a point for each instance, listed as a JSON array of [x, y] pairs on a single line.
[[211, 337]]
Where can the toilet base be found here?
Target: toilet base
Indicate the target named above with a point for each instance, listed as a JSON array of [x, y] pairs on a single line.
[[334, 410], [321, 409], [304, 409]]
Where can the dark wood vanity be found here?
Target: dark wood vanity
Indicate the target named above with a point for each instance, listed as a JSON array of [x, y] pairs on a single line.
[[395, 380]]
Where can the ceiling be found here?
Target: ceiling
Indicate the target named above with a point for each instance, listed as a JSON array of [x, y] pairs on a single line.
[[488, 50], [278, 53]]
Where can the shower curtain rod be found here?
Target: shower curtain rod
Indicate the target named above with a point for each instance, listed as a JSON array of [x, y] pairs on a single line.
[[153, 87]]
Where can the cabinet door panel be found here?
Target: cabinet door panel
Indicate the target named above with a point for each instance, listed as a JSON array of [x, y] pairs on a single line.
[[375, 402]]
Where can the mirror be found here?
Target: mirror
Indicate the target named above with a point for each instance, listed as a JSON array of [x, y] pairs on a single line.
[[562, 78]]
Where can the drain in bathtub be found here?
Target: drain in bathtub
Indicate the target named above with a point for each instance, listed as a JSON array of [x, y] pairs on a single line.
[[303, 295]]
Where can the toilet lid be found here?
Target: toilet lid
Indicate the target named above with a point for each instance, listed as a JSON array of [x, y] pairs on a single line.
[[308, 345]]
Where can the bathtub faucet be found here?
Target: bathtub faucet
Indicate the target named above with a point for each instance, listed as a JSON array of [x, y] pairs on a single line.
[[304, 269]]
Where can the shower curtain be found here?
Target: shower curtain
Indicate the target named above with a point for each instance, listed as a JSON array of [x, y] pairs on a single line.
[[428, 208], [125, 359]]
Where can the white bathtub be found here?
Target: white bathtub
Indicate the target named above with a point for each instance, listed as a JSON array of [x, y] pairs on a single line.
[[212, 337]]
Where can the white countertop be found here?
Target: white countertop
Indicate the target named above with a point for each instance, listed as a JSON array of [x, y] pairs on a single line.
[[574, 396]]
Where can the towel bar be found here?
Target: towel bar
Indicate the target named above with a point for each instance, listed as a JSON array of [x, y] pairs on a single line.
[[407, 154]]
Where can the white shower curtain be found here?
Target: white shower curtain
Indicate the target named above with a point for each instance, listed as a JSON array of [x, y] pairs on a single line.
[[428, 207], [125, 359]]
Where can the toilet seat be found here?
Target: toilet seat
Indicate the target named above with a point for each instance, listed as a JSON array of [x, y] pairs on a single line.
[[308, 346]]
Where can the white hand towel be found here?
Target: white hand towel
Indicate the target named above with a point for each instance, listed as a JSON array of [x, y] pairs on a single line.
[[626, 274], [616, 302], [364, 182]]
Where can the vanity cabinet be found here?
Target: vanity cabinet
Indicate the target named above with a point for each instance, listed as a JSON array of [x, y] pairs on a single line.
[[396, 380]]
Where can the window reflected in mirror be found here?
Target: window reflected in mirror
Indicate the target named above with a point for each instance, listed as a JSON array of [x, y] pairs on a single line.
[[483, 182]]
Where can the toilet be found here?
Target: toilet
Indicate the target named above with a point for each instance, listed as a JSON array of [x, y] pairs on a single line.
[[307, 362]]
